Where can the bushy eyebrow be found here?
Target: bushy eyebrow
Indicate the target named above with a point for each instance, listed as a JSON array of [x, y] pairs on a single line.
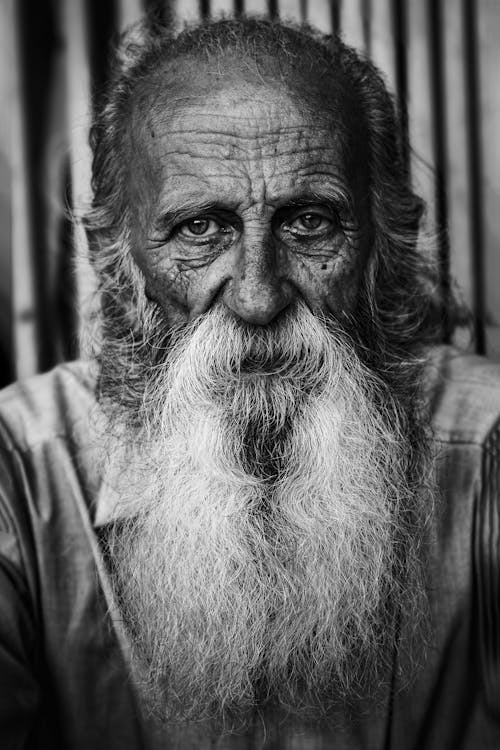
[[189, 206], [170, 216], [336, 196], [339, 201]]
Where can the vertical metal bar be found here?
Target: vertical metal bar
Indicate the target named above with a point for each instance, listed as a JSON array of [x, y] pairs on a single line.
[[272, 8], [79, 117], [37, 44], [439, 145], [400, 32], [57, 247], [474, 168], [101, 24], [204, 8], [458, 184], [421, 115], [335, 15], [488, 67], [7, 96], [23, 282], [366, 18]]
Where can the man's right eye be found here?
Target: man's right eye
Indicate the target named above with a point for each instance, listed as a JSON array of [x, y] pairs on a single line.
[[203, 227]]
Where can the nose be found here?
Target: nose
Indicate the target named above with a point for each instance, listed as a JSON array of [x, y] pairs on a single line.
[[257, 291]]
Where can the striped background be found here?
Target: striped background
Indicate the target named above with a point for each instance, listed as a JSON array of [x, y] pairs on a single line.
[[440, 57]]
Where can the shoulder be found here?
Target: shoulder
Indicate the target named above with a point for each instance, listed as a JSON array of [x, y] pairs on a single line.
[[48, 458], [464, 394], [59, 403], [465, 403]]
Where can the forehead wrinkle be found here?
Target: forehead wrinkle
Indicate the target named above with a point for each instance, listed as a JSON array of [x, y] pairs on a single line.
[[246, 155], [219, 173], [272, 112], [234, 150], [245, 135], [264, 177], [253, 130], [272, 115]]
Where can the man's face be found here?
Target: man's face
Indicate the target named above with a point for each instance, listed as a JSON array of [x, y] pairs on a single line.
[[245, 199]]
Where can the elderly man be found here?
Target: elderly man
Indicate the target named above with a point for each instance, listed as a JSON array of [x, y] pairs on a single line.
[[268, 515]]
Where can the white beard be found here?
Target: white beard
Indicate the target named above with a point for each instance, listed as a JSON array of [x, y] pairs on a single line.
[[267, 548]]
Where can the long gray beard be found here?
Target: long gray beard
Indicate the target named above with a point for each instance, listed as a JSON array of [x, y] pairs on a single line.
[[270, 528]]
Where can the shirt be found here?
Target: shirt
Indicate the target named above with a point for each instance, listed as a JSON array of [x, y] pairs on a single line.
[[64, 680]]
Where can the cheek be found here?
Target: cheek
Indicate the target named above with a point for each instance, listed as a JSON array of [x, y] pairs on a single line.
[[330, 284], [341, 289], [166, 283]]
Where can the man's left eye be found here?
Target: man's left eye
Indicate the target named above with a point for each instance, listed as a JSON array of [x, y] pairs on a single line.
[[309, 223]]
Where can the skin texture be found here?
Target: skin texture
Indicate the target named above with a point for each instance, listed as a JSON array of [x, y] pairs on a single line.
[[243, 196]]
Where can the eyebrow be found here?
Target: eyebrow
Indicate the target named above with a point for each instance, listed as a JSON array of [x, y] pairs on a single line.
[[336, 195], [188, 206]]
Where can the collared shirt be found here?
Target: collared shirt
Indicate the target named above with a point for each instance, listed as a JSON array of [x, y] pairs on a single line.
[[64, 679]]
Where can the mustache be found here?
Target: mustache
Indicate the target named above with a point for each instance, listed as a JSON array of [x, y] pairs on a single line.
[[298, 345], [261, 376]]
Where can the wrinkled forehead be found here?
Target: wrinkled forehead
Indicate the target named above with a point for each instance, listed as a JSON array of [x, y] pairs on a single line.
[[264, 104]]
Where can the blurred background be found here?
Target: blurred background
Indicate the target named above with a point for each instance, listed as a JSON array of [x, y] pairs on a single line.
[[441, 58]]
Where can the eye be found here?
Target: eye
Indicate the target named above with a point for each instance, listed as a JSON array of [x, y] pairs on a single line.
[[309, 223], [200, 227]]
